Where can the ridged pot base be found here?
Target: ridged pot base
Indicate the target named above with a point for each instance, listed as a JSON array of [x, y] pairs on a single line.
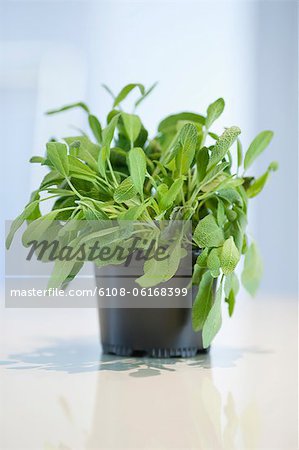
[[120, 350]]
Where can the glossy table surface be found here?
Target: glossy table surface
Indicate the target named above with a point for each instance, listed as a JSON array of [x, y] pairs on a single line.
[[59, 392]]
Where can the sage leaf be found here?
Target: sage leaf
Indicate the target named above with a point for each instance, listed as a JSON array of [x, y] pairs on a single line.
[[213, 262], [258, 185], [57, 154], [170, 195], [83, 148], [208, 233], [169, 124], [202, 258], [214, 111], [253, 269], [37, 159], [231, 283], [214, 172], [137, 163], [126, 90], [221, 217], [185, 148], [239, 153], [223, 144], [77, 167], [67, 107], [125, 191], [96, 127], [257, 146], [202, 161], [157, 271], [108, 131], [231, 300], [18, 222], [203, 302], [132, 125], [214, 319], [229, 256], [145, 94], [37, 229]]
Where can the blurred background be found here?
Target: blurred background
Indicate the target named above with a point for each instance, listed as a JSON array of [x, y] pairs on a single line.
[[56, 52]]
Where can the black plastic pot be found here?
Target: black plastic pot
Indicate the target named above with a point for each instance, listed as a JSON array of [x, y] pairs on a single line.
[[155, 332]]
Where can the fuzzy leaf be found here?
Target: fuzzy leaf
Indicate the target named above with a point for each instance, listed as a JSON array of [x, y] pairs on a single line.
[[223, 144], [213, 262], [229, 256], [208, 233]]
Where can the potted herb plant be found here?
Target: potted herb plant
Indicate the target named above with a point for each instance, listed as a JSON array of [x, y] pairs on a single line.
[[186, 172]]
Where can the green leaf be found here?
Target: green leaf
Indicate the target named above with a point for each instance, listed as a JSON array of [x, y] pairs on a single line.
[[253, 269], [208, 233], [132, 126], [57, 154], [239, 153], [126, 90], [37, 229], [256, 147], [202, 161], [77, 167], [169, 124], [214, 172], [258, 185], [133, 213], [157, 271], [61, 271], [103, 156], [229, 256], [170, 195], [137, 163], [202, 258], [125, 191], [213, 322], [82, 148], [184, 149], [214, 111], [146, 93], [72, 106], [203, 302], [37, 159], [221, 217], [213, 262], [108, 131], [231, 300], [223, 144], [231, 284], [18, 222], [95, 127]]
